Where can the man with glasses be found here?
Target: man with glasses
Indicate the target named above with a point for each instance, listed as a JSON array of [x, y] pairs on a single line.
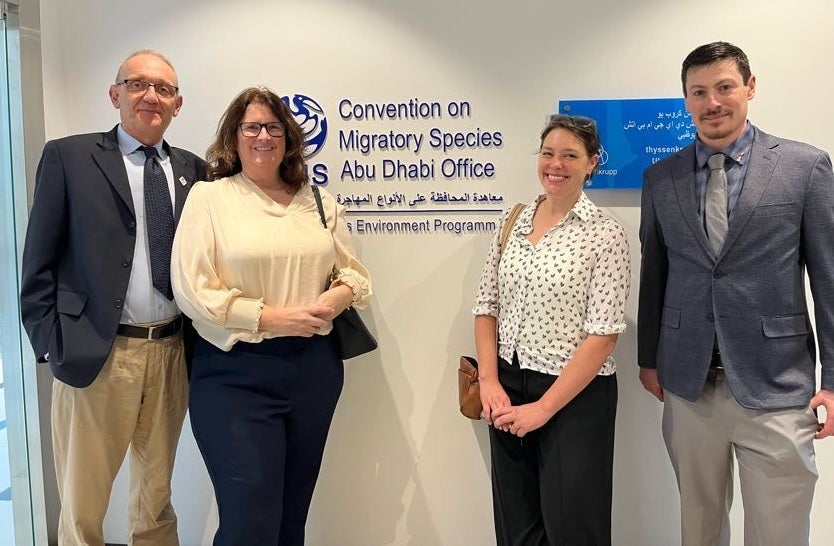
[[97, 304], [729, 227]]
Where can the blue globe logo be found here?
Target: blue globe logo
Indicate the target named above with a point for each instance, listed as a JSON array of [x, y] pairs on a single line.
[[310, 116]]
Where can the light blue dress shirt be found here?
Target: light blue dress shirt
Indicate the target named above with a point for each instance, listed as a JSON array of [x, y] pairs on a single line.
[[143, 303]]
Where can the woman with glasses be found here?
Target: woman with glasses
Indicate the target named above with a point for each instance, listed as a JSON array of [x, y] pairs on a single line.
[[251, 266], [550, 306]]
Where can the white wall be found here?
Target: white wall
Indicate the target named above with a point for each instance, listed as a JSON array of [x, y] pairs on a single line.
[[402, 467]]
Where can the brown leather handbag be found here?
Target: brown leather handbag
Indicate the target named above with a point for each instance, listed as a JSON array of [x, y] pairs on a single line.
[[469, 390], [469, 393]]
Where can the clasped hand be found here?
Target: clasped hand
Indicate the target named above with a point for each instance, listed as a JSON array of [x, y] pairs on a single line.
[[338, 298], [499, 412], [519, 420], [303, 321], [306, 320]]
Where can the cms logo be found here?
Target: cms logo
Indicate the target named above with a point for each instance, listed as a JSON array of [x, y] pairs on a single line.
[[311, 117]]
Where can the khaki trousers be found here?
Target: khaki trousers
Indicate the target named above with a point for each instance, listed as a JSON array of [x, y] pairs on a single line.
[[776, 465], [139, 400]]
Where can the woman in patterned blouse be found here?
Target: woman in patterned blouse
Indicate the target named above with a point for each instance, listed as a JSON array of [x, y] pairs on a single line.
[[549, 309]]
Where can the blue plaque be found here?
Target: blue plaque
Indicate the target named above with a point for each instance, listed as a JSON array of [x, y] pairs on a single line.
[[634, 133]]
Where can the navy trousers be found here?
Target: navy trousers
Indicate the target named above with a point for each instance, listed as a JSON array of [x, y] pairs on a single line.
[[260, 414], [553, 487]]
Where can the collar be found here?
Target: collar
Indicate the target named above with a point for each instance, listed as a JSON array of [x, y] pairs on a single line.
[[584, 209], [738, 151], [129, 145]]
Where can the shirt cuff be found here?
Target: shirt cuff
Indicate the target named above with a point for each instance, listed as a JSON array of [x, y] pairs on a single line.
[[245, 314], [605, 329], [485, 309], [356, 282]]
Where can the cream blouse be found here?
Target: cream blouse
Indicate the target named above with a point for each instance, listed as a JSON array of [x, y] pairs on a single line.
[[236, 250]]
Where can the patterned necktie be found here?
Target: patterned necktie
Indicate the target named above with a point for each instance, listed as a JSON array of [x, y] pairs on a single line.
[[159, 219], [715, 209]]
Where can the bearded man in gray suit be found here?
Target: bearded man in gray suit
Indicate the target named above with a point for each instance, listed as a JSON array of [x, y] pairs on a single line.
[[724, 334]]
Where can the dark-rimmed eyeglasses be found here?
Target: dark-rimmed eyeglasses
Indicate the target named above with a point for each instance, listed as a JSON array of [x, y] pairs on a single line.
[[253, 128], [578, 121], [164, 90]]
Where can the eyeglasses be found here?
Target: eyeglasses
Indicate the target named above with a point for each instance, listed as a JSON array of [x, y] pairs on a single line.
[[253, 128], [164, 90], [577, 121]]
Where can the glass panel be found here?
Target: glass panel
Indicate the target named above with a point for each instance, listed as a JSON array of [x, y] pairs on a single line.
[[6, 237], [16, 523]]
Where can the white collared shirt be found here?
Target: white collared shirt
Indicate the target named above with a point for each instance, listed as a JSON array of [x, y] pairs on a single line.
[[143, 303], [550, 296]]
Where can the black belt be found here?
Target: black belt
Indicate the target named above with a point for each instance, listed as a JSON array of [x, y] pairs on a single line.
[[151, 332]]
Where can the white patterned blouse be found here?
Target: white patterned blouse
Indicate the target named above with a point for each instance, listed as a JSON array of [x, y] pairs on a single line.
[[549, 297]]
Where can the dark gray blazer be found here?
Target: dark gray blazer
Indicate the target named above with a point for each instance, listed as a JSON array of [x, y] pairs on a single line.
[[79, 248], [752, 296]]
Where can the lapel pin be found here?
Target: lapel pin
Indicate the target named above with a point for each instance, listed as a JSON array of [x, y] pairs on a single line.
[[183, 181]]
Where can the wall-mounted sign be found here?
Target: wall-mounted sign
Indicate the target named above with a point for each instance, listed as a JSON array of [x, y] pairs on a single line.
[[408, 166], [634, 134]]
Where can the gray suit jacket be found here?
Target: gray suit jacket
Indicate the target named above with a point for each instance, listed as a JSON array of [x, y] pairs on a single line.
[[751, 297]]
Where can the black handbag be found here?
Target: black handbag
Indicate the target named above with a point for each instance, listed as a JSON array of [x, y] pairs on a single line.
[[350, 334]]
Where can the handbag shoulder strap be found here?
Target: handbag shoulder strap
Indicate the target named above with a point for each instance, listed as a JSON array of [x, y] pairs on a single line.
[[319, 206], [508, 226], [317, 195]]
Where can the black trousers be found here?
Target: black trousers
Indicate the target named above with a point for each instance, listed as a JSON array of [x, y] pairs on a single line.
[[553, 487], [260, 415]]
